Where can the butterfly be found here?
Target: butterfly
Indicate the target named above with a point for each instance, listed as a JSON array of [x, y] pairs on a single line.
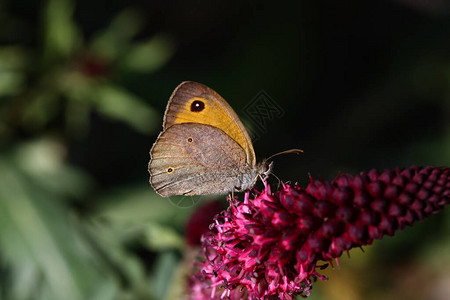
[[204, 148]]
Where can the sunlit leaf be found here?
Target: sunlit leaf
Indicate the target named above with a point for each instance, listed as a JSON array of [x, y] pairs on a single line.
[[137, 204], [160, 237], [61, 34], [43, 161], [151, 55], [117, 103], [34, 231]]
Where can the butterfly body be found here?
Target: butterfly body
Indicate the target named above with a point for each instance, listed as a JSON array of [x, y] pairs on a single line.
[[203, 148]]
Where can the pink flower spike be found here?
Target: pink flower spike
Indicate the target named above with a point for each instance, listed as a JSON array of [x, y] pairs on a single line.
[[271, 244]]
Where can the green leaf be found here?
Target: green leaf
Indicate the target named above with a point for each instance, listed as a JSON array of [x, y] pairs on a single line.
[[61, 36], [115, 40], [139, 204], [43, 162], [164, 273], [111, 248], [104, 291], [150, 55], [34, 232], [119, 104], [40, 109], [160, 237], [12, 64]]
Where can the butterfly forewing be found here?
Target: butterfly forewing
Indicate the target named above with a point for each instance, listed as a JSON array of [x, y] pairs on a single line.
[[192, 102]]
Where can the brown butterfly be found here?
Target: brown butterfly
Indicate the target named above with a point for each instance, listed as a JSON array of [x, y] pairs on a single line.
[[203, 148]]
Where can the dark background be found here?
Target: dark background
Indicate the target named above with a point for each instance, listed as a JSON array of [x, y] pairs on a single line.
[[83, 86]]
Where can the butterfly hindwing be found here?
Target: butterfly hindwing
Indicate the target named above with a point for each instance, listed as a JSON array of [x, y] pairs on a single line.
[[195, 159]]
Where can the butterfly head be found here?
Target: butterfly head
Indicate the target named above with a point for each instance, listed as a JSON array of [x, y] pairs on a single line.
[[264, 169]]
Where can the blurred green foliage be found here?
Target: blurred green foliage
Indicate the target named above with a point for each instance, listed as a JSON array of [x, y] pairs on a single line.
[[50, 248], [83, 86]]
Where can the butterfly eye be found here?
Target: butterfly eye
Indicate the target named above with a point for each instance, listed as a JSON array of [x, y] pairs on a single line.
[[197, 106], [169, 170]]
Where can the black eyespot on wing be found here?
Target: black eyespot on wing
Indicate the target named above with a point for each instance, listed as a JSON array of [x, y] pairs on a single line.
[[169, 170], [197, 106], [190, 140]]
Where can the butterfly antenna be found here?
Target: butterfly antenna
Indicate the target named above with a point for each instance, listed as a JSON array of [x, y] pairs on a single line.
[[296, 151]]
